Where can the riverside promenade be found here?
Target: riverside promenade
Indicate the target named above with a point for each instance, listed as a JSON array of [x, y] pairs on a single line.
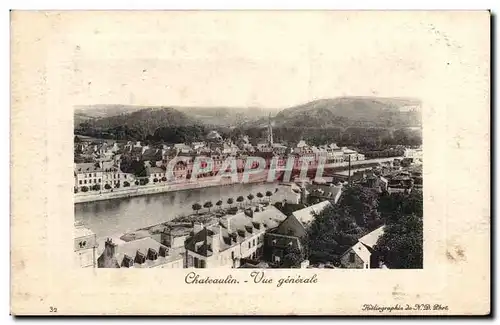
[[181, 185]]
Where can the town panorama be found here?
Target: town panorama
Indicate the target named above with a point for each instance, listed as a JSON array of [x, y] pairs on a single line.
[[334, 183]]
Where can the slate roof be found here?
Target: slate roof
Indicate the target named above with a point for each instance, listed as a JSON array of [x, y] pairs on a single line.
[[330, 192], [307, 215], [365, 244], [282, 241], [87, 168], [234, 229], [200, 241], [154, 170], [361, 251], [132, 249], [82, 231], [371, 238]]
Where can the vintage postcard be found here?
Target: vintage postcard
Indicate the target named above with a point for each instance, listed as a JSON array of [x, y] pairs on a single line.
[[250, 163]]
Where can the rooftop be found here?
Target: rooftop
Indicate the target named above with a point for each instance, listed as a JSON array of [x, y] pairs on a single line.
[[234, 229], [143, 246], [371, 238], [328, 191], [362, 252], [307, 215], [82, 231]]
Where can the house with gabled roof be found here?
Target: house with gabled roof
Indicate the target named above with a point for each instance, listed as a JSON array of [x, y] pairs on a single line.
[[361, 255], [289, 234], [140, 253], [233, 238]]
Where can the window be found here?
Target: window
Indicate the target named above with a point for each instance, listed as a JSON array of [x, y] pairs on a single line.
[[249, 244], [202, 264], [90, 175], [85, 181], [351, 257], [366, 266], [95, 175], [99, 180], [80, 182], [232, 255], [124, 176], [196, 262], [254, 242]]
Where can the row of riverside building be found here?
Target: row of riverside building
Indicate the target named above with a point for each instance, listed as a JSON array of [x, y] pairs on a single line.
[[253, 237]]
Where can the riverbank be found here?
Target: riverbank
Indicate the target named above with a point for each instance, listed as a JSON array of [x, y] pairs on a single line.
[[139, 190], [122, 215]]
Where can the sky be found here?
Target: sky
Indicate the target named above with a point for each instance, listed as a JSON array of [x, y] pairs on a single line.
[[263, 59]]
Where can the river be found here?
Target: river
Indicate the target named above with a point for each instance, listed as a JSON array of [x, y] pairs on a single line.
[[118, 216]]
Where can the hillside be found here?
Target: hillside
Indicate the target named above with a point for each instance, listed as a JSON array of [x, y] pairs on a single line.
[[224, 116], [147, 120], [338, 112], [217, 116], [105, 110], [353, 111]]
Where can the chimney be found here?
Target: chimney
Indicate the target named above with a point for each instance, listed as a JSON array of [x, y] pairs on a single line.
[[215, 241], [303, 194], [109, 248], [198, 226], [166, 237]]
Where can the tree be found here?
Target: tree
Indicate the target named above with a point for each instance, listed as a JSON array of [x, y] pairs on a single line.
[[293, 257], [75, 189], [219, 203], [155, 180], [269, 194], [163, 179], [230, 201], [250, 197], [85, 189], [126, 184], [133, 166], [117, 185], [208, 205], [240, 199], [362, 203], [400, 247], [96, 187], [260, 196], [196, 207], [393, 206], [322, 233], [107, 186], [136, 182]]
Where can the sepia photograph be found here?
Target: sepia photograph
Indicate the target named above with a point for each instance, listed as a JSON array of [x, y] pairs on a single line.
[[332, 183], [247, 158]]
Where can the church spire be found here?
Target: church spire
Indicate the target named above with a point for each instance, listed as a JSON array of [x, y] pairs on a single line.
[[269, 131]]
